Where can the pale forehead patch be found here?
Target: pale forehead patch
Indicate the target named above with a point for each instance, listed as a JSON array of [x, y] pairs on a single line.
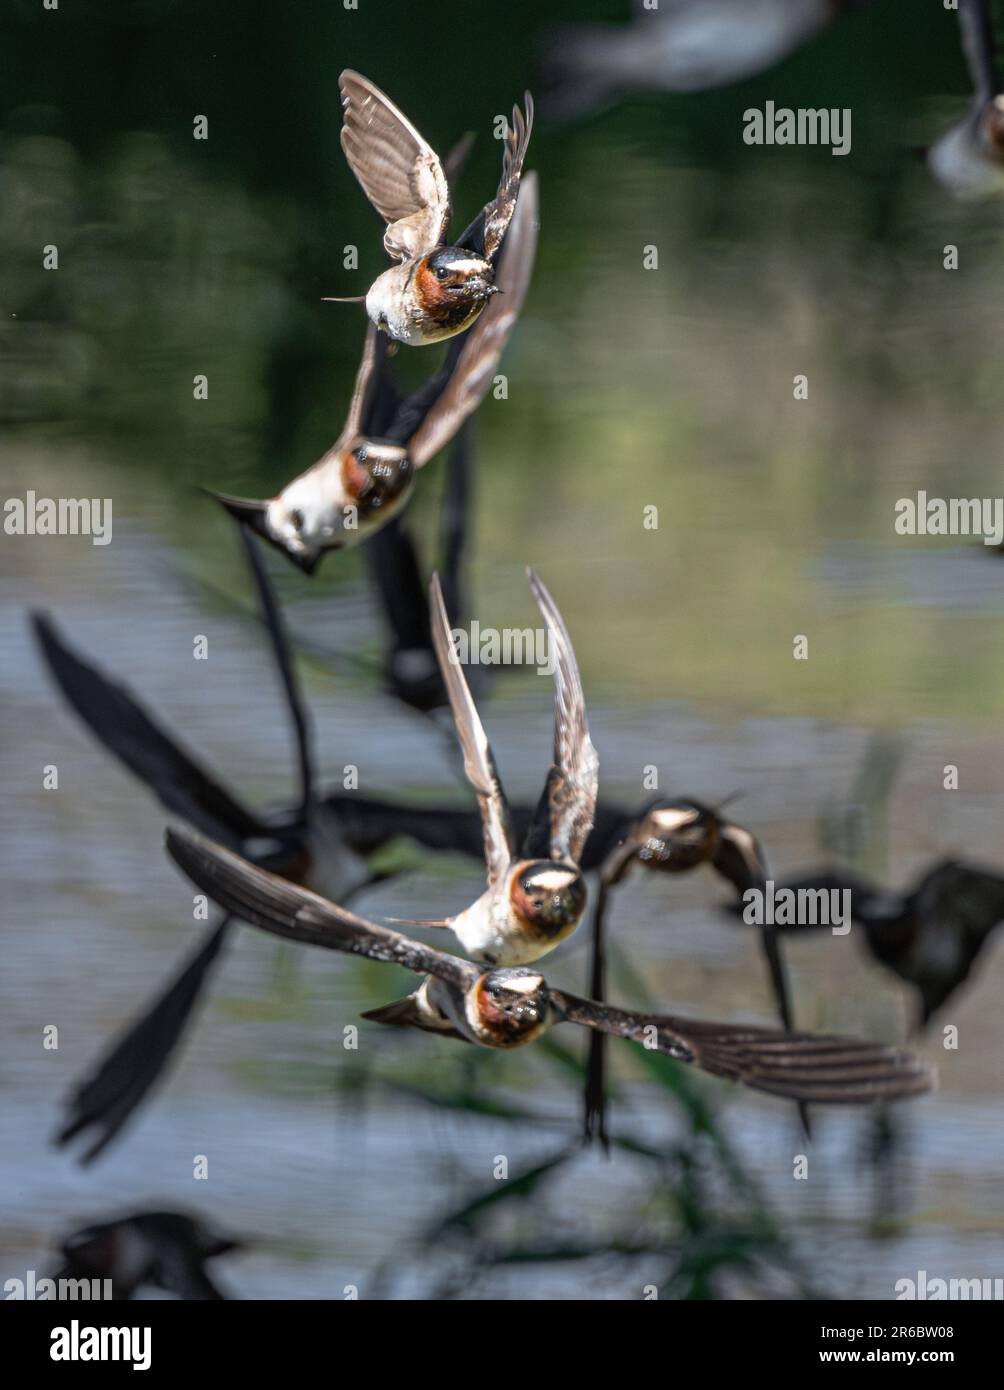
[[525, 984], [674, 820], [552, 879], [473, 265], [376, 448]]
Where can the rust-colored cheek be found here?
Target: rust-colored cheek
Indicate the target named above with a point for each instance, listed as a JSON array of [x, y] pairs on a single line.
[[993, 128], [432, 293], [372, 482], [676, 851], [355, 477]]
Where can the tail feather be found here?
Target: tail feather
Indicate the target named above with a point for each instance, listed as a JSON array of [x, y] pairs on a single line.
[[401, 1013]]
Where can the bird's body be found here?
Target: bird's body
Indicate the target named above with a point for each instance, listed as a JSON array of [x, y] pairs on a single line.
[[542, 903], [437, 289], [410, 305], [156, 1249], [676, 836], [532, 902], [931, 935]]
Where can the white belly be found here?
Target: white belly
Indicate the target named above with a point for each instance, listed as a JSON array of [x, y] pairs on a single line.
[[389, 306], [488, 933]]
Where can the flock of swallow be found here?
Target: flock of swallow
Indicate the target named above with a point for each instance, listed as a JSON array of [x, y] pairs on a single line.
[[295, 872]]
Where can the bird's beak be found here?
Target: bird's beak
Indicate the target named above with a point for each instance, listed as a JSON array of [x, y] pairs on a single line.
[[247, 510], [307, 563], [250, 512], [493, 289]]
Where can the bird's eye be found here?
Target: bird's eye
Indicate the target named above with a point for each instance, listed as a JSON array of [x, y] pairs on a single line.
[[441, 272], [296, 519]]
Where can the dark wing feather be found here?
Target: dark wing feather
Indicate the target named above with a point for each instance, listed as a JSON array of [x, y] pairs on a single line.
[[595, 1091], [740, 859], [610, 826], [869, 902], [479, 763], [393, 565], [106, 1100], [569, 798], [127, 731], [365, 386], [437, 410], [367, 824], [277, 906], [454, 521], [962, 905], [279, 640], [963, 895], [797, 1066], [487, 232], [399, 171], [979, 48]]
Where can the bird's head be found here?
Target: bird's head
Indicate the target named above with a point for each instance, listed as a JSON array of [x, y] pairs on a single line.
[[312, 515], [451, 277], [509, 1007], [676, 835], [549, 896], [377, 477]]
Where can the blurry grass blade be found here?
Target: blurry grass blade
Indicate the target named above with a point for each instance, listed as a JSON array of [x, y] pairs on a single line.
[[524, 1185]]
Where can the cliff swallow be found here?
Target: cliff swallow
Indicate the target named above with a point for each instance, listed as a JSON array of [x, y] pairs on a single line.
[[325, 840], [676, 836], [536, 898], [368, 474], [930, 935], [149, 1249], [679, 46], [437, 289], [969, 159], [511, 1006]]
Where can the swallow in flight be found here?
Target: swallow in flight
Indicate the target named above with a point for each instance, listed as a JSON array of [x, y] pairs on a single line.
[[368, 474], [674, 837], [437, 288], [931, 934], [511, 1006], [150, 1249], [535, 897]]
